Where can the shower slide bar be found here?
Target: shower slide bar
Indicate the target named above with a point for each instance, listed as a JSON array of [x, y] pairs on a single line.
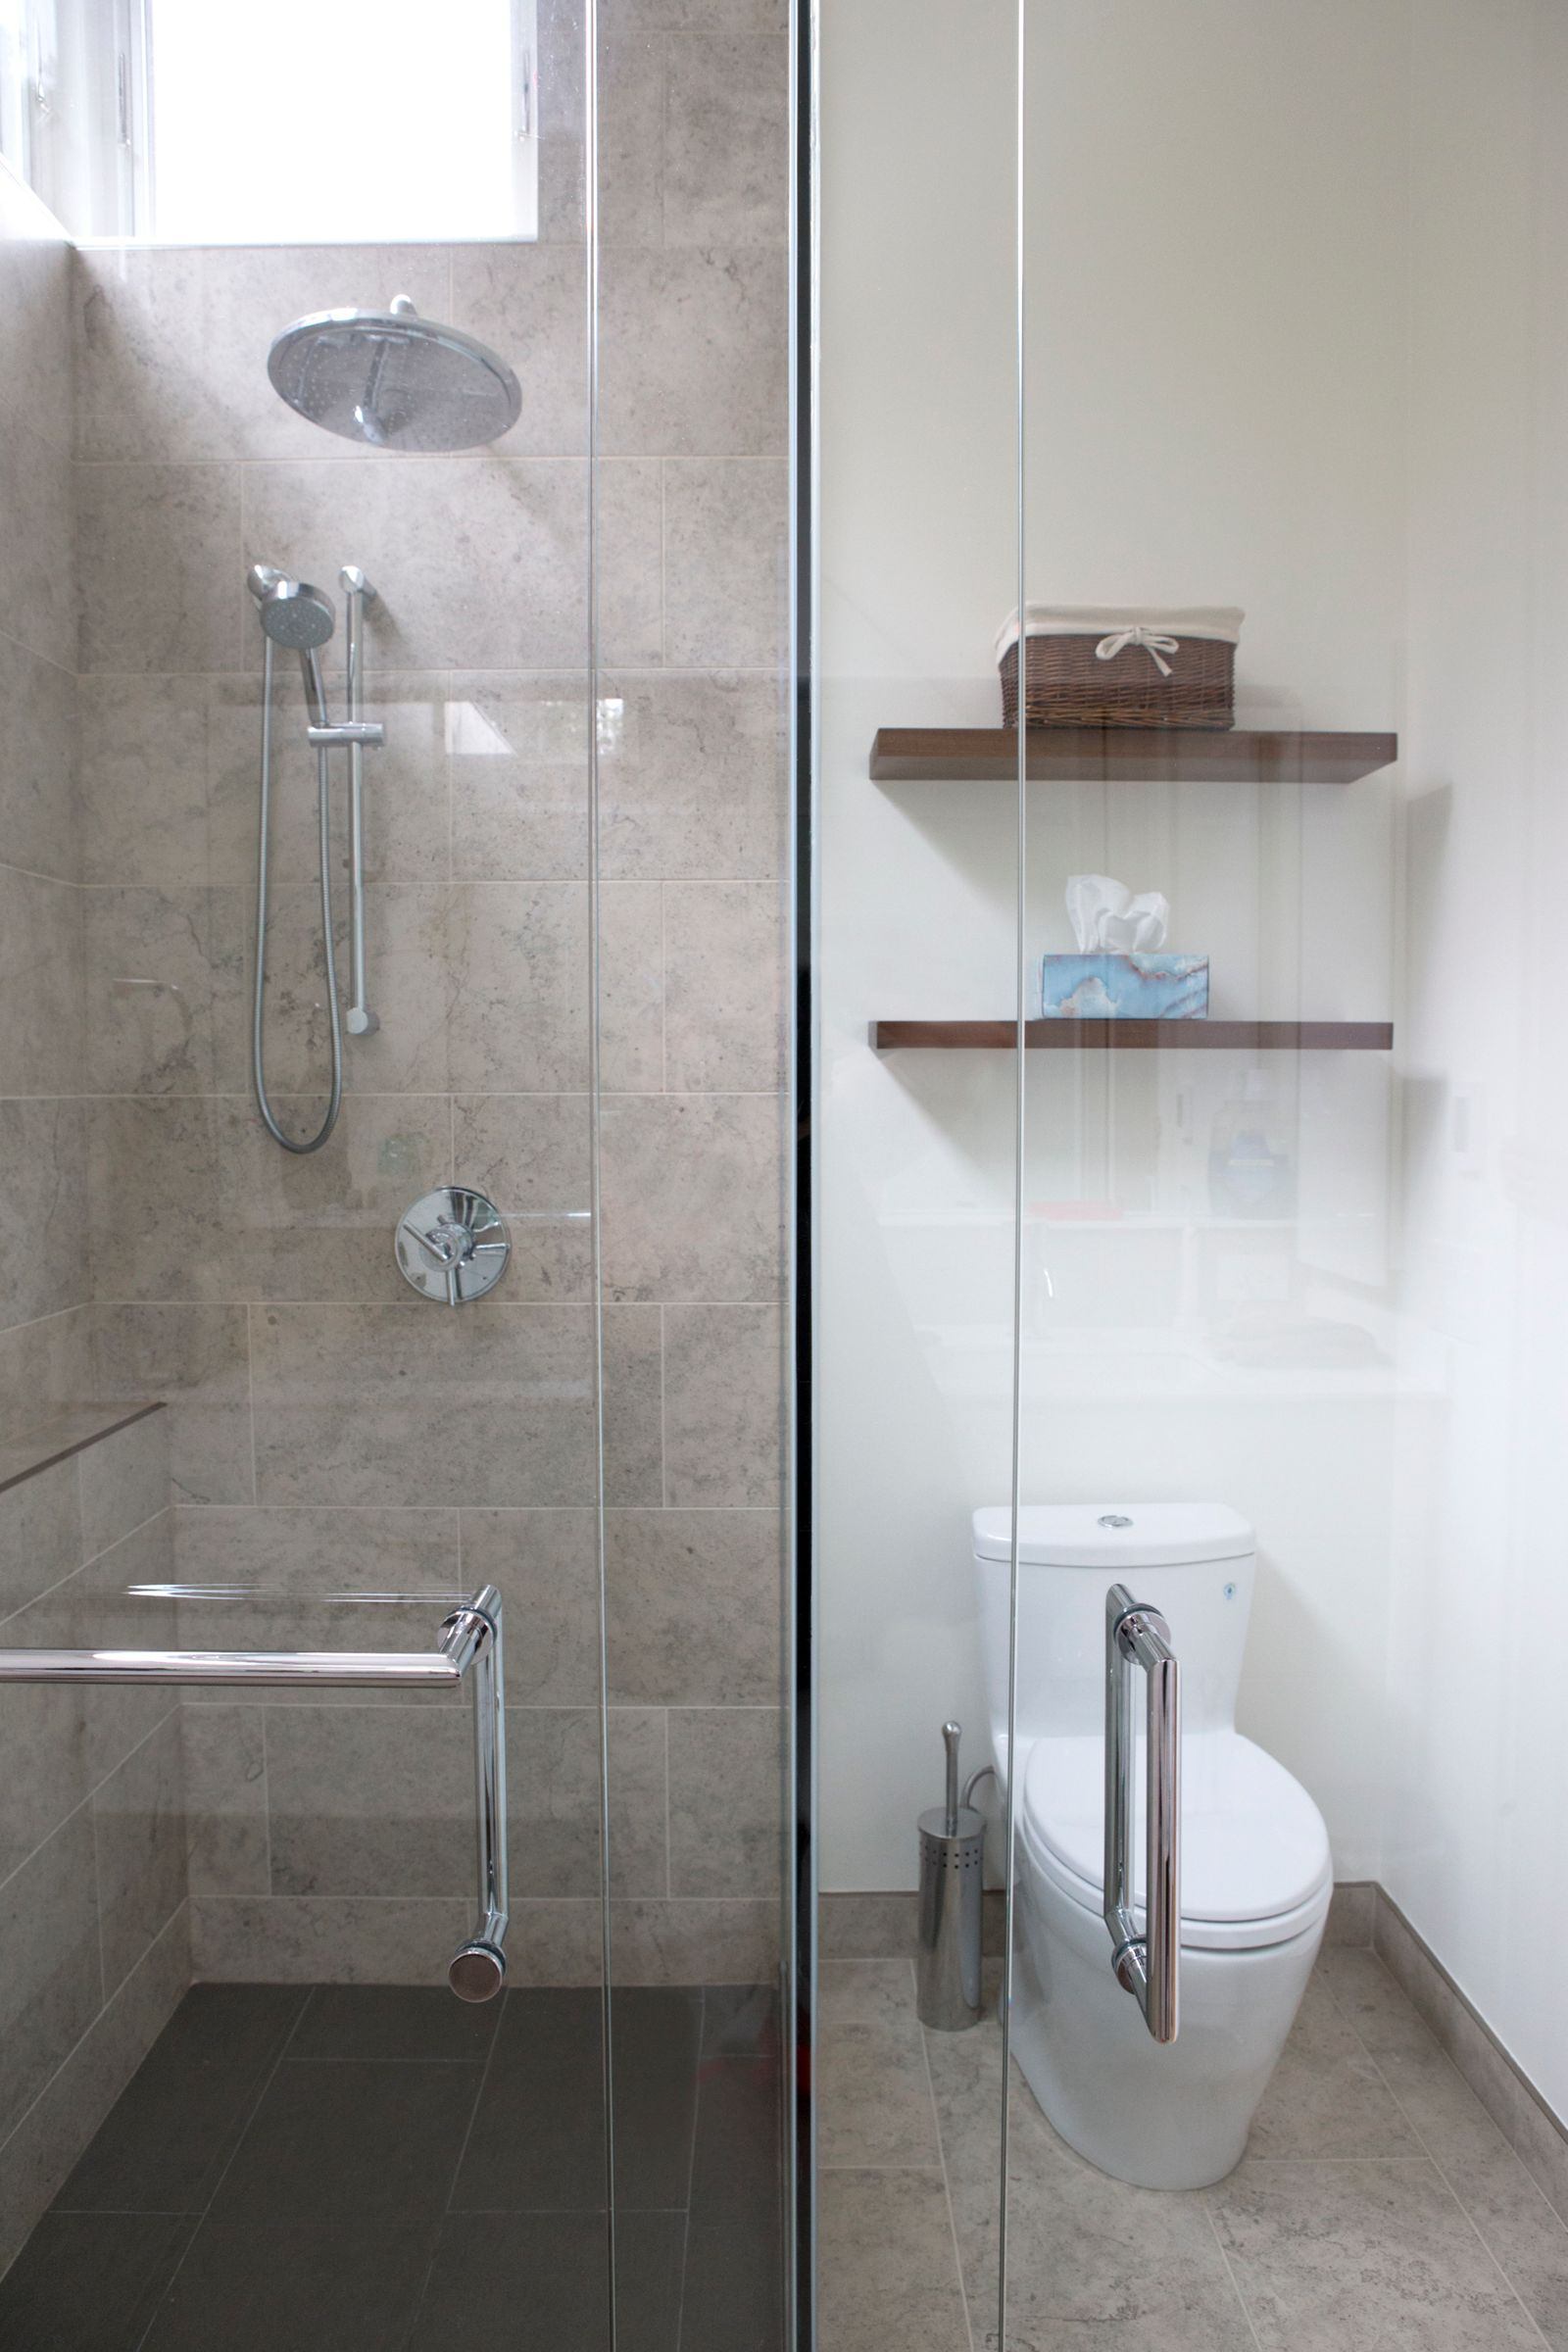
[[468, 1646], [1146, 1965]]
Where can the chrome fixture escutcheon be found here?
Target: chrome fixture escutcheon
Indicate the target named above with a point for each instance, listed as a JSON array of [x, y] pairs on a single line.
[[451, 1246]]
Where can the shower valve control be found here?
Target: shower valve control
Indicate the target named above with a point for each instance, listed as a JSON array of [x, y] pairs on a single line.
[[451, 1246]]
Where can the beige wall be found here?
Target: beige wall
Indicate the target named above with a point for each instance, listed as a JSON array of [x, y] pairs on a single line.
[[95, 1945], [93, 1950], [328, 1428], [44, 1276]]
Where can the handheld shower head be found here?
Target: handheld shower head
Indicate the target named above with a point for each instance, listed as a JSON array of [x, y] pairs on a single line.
[[294, 615]]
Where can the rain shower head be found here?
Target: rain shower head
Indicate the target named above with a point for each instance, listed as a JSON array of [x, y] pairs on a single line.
[[394, 379], [294, 615]]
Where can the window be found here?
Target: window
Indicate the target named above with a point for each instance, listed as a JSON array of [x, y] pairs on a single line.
[[303, 122]]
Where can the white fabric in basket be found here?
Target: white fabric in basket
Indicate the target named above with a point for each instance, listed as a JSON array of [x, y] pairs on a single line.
[[1110, 620]]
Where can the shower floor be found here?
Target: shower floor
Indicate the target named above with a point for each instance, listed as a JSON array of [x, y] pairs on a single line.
[[379, 2169], [1377, 2203]]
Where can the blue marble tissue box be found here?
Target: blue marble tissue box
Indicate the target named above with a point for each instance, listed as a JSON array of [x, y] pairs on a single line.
[[1104, 987]]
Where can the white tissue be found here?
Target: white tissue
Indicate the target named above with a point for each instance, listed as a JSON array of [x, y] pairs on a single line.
[[1107, 919]]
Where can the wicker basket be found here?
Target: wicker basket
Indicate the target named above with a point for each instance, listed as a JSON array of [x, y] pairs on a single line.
[[1111, 666]]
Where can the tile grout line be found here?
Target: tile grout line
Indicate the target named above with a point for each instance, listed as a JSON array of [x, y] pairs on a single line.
[[267, 1801], [691, 2168], [1421, 2143], [49, 1590], [1229, 2274], [200, 2219], [88, 1798], [91, 2028], [668, 1886], [503, 1997], [249, 1398], [664, 1417], [941, 2159]]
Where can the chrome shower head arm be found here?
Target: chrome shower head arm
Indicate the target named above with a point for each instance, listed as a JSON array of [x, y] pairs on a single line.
[[314, 685]]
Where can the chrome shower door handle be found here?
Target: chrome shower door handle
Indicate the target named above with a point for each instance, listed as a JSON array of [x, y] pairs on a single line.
[[1146, 1965], [469, 1649]]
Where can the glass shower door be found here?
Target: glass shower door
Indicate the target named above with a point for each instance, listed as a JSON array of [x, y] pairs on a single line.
[[1208, 957]]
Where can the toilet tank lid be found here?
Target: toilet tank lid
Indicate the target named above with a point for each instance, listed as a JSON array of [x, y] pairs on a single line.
[[1114, 1534]]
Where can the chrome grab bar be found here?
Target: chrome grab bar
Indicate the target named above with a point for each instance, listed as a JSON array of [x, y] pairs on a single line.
[[1146, 1965], [468, 1643]]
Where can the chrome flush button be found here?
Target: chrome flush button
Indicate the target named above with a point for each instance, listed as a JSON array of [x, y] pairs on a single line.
[[1115, 1519]]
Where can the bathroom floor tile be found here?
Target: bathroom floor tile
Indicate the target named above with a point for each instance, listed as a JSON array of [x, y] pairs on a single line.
[[740, 2021], [658, 2033], [350, 2285], [410, 2024], [354, 2141], [1327, 2096], [1328, 2255], [866, 1991], [888, 2278], [875, 2104], [651, 2261], [87, 2281], [1343, 2226], [538, 2139], [533, 2282], [736, 2159], [734, 2286], [378, 2170], [164, 2141]]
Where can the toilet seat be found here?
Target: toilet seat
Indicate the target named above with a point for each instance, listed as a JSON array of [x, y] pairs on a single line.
[[1255, 1864]]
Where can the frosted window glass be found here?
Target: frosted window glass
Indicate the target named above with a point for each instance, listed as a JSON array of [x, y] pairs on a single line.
[[318, 121]]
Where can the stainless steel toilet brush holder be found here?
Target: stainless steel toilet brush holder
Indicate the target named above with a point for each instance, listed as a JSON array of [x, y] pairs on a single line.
[[952, 1882]]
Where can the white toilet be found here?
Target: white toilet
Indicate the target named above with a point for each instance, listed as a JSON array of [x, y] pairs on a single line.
[[1255, 1872]]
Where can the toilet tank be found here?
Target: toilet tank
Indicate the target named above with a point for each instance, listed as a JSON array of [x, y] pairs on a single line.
[[1192, 1561]]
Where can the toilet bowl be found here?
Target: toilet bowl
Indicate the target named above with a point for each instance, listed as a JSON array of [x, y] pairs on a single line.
[[1256, 1868]]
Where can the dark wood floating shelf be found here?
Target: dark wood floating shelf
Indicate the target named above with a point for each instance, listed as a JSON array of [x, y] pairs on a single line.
[[1126, 1036], [1126, 755]]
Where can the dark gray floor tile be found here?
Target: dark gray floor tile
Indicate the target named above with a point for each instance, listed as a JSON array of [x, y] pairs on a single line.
[[232, 2024], [650, 2252], [352, 2141], [531, 2281], [735, 2169], [734, 2294], [657, 2033], [324, 2287], [740, 2021], [86, 2281], [538, 2139], [407, 2023], [165, 2140]]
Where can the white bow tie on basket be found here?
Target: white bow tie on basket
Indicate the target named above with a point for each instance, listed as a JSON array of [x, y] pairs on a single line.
[[1154, 644]]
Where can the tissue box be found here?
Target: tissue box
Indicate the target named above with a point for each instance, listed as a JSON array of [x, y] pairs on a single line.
[[1100, 986]]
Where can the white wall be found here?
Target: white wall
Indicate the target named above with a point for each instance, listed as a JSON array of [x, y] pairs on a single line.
[[1217, 308], [1475, 1833]]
